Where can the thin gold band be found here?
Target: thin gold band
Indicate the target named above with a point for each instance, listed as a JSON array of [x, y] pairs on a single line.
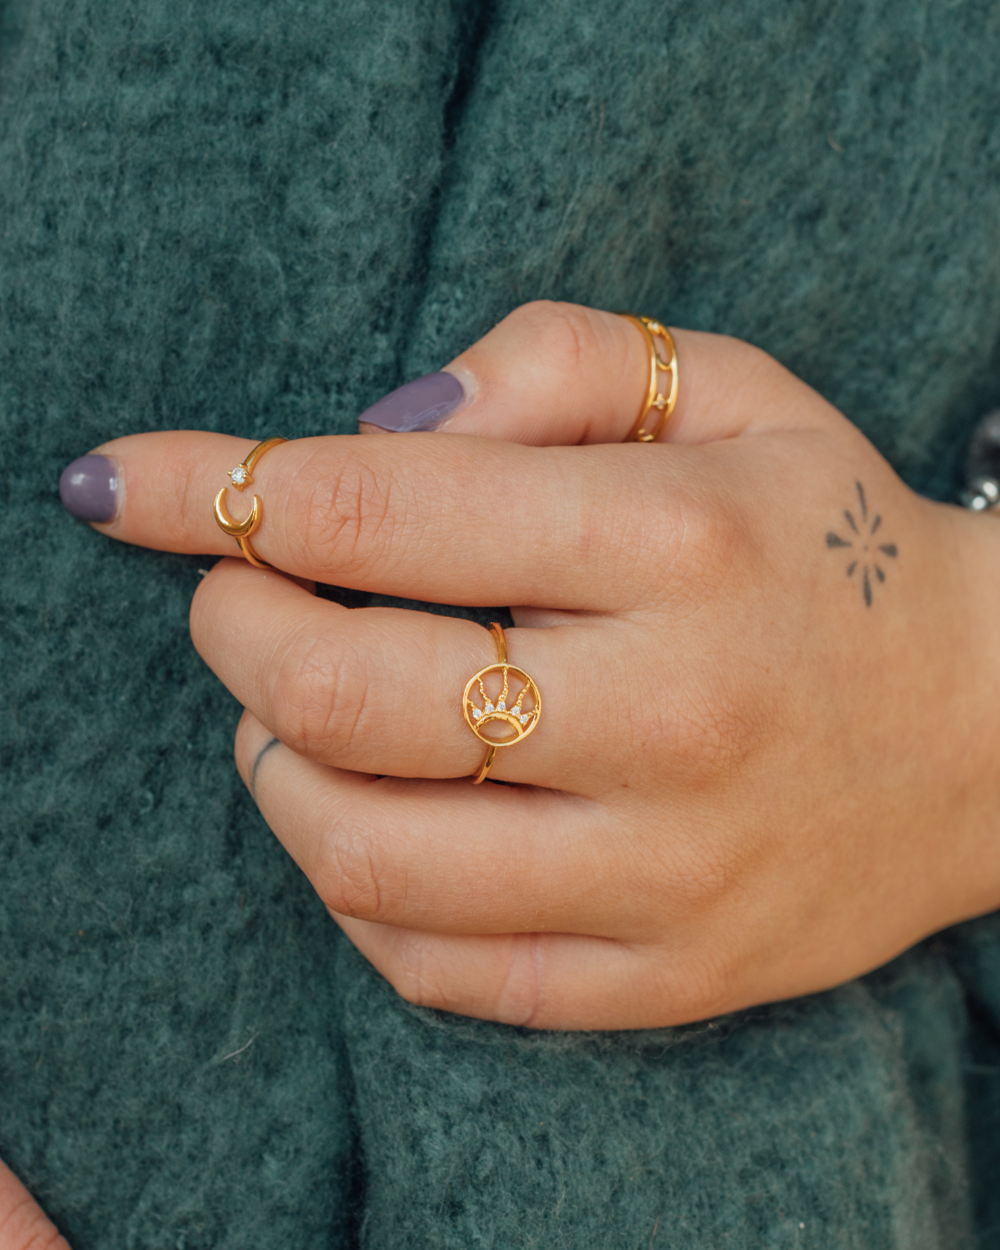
[[496, 629], [664, 403], [517, 720], [242, 476]]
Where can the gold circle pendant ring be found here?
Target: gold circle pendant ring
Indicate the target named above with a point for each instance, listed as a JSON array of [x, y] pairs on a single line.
[[501, 704]]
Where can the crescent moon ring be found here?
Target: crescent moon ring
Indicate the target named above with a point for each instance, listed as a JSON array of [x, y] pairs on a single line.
[[242, 476], [237, 529]]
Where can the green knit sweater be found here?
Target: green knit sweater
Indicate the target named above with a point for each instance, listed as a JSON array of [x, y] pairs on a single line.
[[260, 215]]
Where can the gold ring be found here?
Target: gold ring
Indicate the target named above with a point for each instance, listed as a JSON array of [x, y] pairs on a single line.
[[663, 402], [499, 719], [241, 477]]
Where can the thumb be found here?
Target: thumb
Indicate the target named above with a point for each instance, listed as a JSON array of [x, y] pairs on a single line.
[[23, 1223], [561, 374]]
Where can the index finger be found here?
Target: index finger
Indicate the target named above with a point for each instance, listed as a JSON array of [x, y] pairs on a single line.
[[454, 519]]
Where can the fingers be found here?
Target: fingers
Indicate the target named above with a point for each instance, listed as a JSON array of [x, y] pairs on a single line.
[[380, 690], [498, 902], [23, 1224], [536, 980], [441, 855], [450, 520], [561, 374]]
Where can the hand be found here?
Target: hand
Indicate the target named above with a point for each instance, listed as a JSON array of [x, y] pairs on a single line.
[[765, 763], [23, 1225]]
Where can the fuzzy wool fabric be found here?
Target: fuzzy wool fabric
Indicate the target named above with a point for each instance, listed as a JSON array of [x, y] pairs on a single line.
[[260, 217]]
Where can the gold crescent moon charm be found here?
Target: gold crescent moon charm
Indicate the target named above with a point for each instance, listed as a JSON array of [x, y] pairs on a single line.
[[237, 529], [240, 477]]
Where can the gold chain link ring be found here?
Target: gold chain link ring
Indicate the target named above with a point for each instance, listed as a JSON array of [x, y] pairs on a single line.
[[663, 401], [503, 715], [241, 477]]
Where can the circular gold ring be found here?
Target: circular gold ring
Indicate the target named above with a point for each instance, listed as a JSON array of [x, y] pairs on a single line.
[[508, 707], [241, 477], [663, 400]]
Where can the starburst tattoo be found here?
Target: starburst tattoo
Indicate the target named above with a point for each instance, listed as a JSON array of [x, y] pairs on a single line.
[[865, 552]]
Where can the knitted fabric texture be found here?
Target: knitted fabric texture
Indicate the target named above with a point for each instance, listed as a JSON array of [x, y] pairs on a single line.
[[258, 218]]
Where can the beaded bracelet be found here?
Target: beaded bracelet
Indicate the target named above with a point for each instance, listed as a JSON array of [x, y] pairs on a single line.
[[982, 466]]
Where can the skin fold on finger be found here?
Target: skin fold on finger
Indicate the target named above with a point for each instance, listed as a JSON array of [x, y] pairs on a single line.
[[380, 689], [453, 520], [446, 856], [536, 980], [562, 374], [23, 1224]]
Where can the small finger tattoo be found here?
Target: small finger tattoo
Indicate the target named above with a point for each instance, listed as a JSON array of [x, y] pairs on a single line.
[[256, 764], [867, 557]]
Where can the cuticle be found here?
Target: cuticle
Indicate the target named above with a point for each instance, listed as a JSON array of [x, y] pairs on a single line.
[[119, 488], [470, 393]]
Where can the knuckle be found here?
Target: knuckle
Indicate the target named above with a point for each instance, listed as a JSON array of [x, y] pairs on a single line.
[[700, 544], [701, 877], [518, 997], [350, 516], [424, 979], [185, 487], [705, 723], [565, 332], [711, 731], [708, 539], [511, 996], [712, 718], [757, 366], [705, 986], [417, 975], [320, 694], [352, 873]]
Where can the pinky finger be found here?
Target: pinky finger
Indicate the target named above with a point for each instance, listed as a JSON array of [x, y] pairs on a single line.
[[23, 1224], [537, 980]]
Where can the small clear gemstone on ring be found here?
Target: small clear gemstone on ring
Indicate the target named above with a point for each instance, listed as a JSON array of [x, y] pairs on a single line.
[[239, 475]]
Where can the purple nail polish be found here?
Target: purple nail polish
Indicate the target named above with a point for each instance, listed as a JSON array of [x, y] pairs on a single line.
[[419, 405], [88, 488]]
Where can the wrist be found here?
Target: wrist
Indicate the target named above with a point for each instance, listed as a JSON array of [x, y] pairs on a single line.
[[971, 835]]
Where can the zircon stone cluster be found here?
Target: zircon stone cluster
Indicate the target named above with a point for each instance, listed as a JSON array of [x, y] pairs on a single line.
[[501, 706]]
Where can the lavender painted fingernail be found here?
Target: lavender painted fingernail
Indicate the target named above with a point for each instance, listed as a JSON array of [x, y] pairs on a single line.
[[88, 488], [419, 405]]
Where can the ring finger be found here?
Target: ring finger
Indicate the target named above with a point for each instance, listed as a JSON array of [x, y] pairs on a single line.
[[379, 690]]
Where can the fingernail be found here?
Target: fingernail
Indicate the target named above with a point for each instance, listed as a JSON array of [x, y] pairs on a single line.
[[419, 405], [88, 488]]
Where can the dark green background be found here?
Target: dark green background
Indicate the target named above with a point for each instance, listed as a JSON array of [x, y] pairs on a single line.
[[260, 217]]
